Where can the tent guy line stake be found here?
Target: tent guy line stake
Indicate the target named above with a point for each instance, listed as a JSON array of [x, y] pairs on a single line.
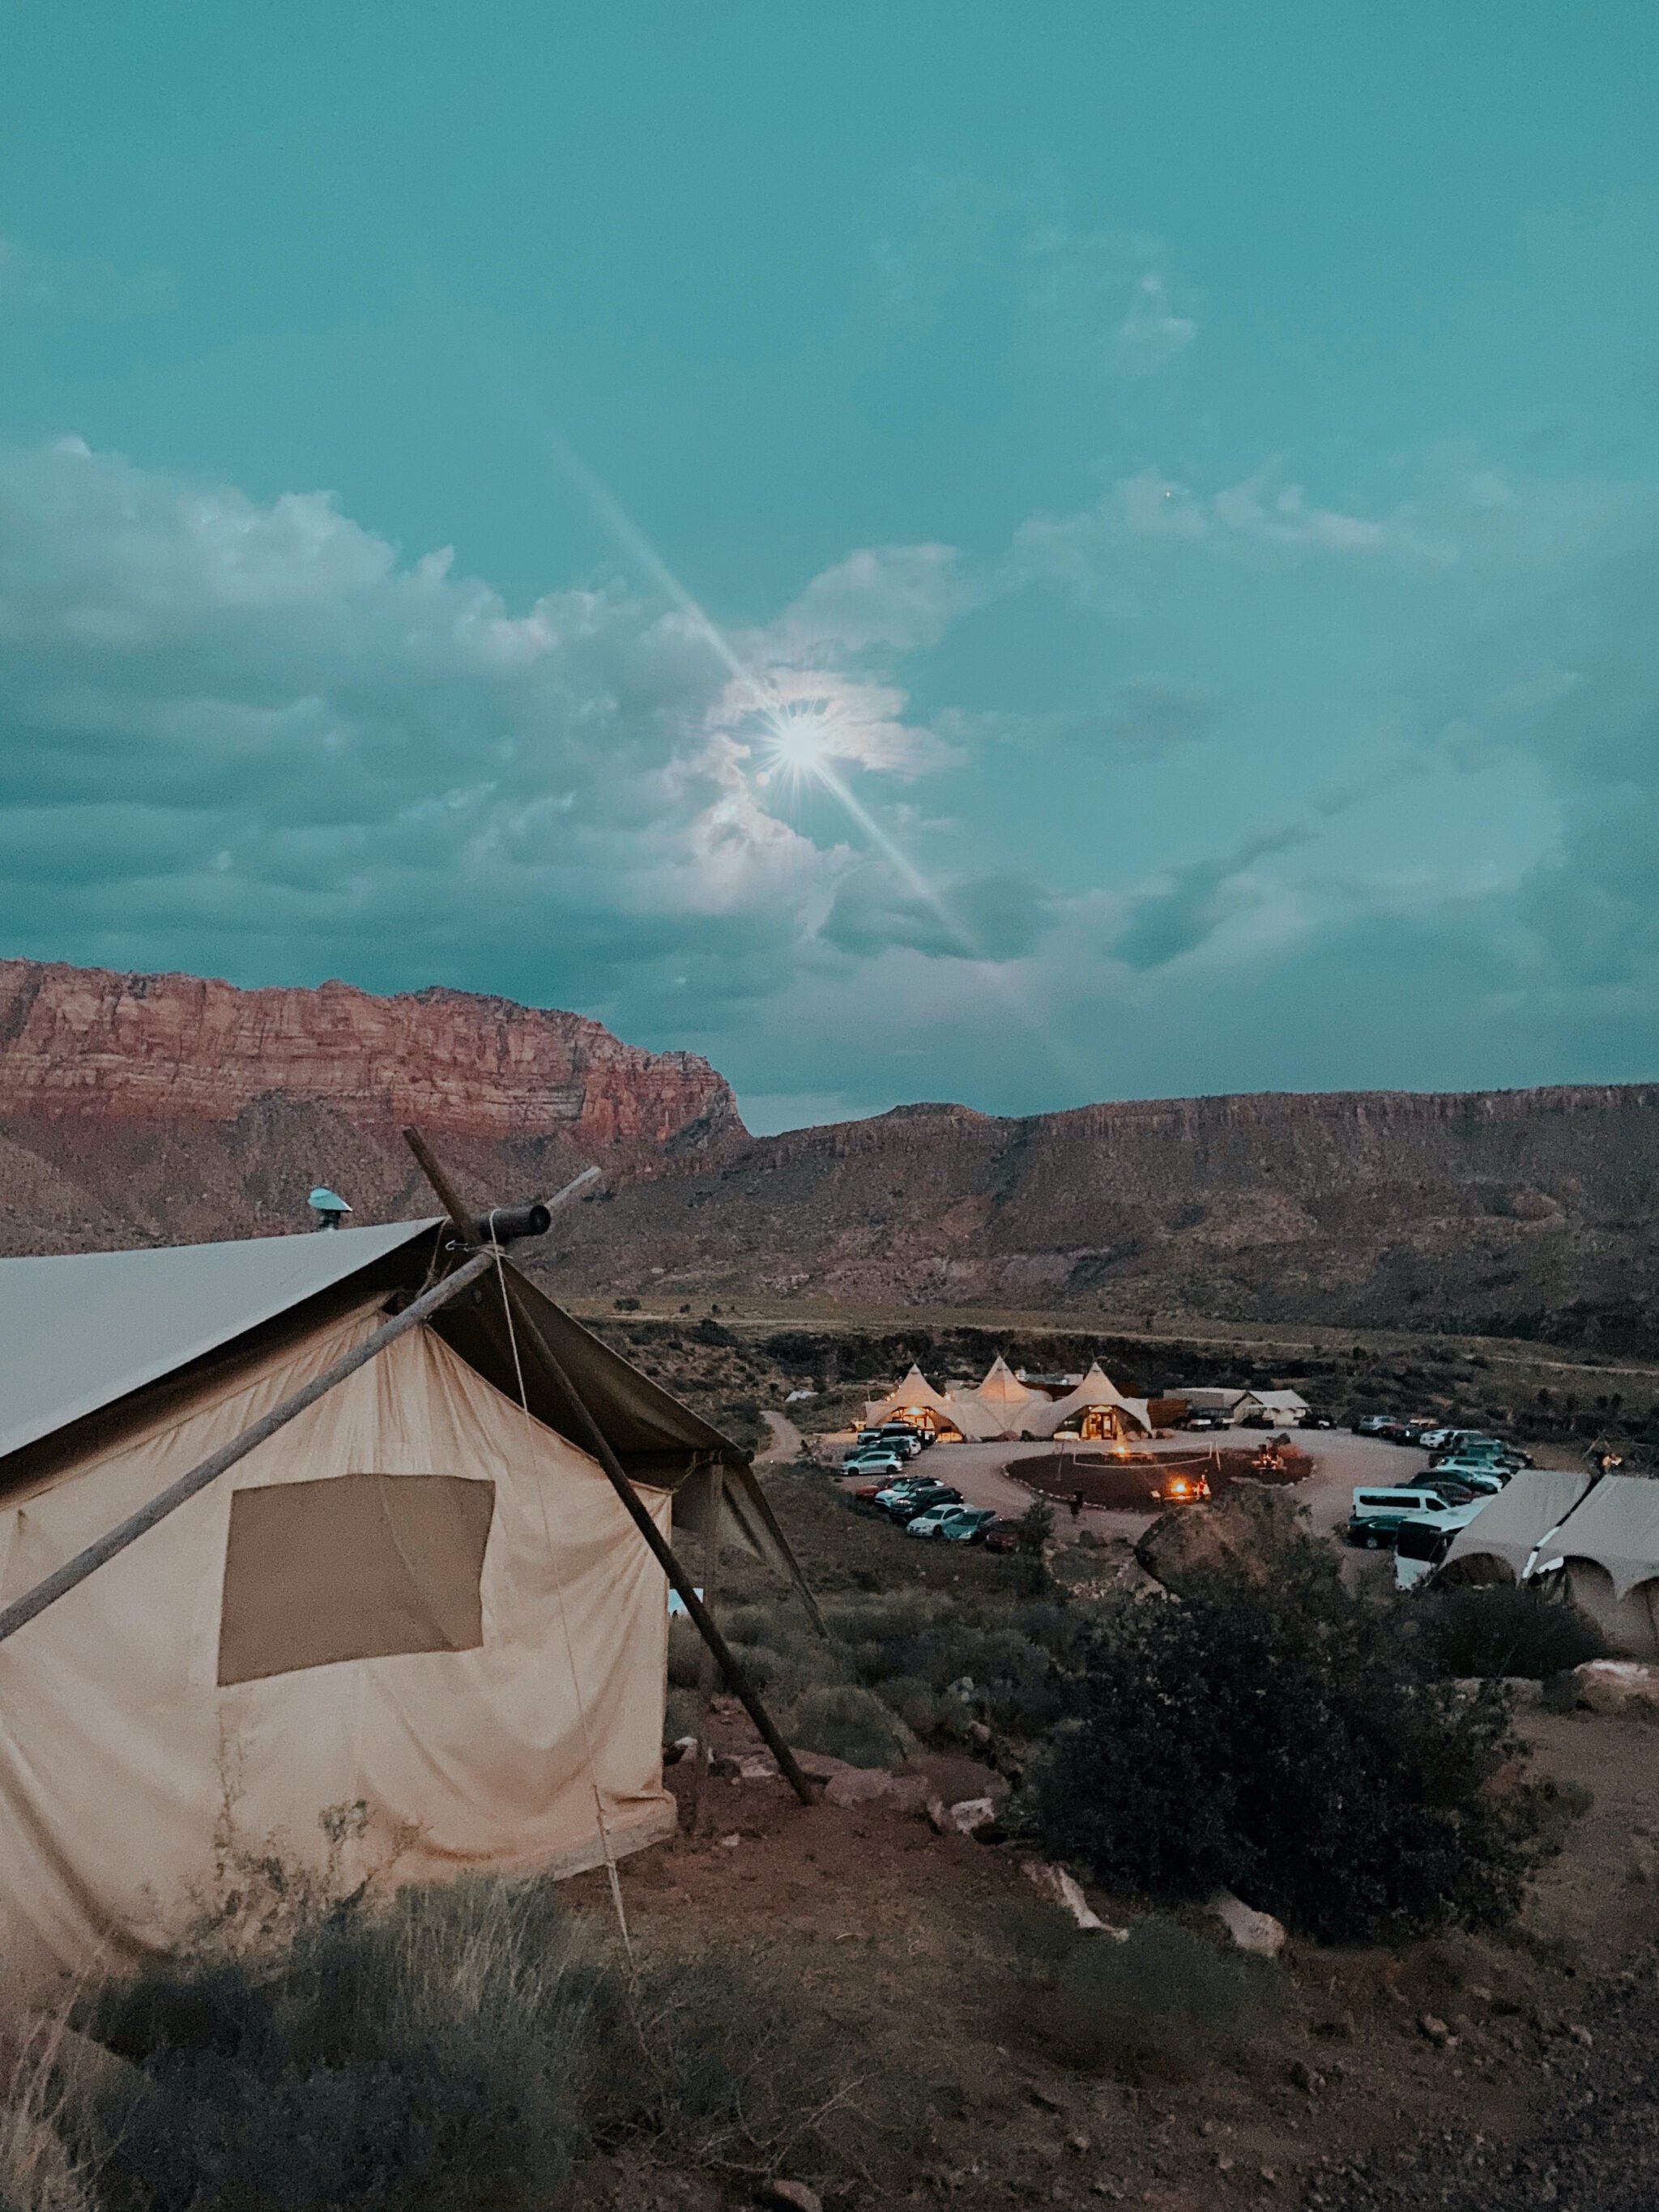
[[594, 1441], [106, 1548]]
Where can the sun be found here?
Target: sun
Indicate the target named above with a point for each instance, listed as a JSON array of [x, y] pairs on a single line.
[[800, 746]]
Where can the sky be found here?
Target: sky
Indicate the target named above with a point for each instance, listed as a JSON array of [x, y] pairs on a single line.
[[1017, 554]]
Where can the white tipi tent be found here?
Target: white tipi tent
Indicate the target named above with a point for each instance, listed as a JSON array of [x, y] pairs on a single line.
[[417, 1598], [915, 1400], [1001, 1408], [1606, 1555], [1097, 1409]]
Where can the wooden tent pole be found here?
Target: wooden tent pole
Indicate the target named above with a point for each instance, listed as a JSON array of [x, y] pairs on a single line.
[[598, 1444], [106, 1548], [705, 1675]]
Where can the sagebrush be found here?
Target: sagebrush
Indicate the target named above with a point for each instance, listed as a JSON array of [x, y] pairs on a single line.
[[1282, 1739]]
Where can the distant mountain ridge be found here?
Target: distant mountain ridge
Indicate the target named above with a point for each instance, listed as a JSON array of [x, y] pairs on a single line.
[[137, 1106], [137, 1109]]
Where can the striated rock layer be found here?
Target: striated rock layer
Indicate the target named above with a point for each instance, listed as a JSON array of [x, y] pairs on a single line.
[[139, 1107]]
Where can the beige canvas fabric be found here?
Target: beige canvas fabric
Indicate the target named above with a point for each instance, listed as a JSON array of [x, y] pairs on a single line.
[[1498, 1544], [1096, 1391], [1610, 1547], [1000, 1407], [120, 1750], [915, 1394]]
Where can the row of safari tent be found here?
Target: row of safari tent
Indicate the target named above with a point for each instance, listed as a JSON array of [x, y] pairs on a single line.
[[1593, 1540], [422, 1598], [1004, 1408]]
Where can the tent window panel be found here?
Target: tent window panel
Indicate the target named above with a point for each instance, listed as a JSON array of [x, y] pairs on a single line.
[[359, 1566]]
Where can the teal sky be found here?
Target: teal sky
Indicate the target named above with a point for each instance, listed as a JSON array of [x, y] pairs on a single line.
[[1190, 473]]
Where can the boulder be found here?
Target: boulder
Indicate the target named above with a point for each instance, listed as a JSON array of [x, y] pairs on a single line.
[[1624, 1687], [789, 2197], [874, 1785], [1057, 1885], [1256, 1932], [1241, 1533]]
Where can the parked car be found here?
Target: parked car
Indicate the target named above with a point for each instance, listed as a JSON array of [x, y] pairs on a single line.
[[1421, 1543], [912, 1503], [1371, 1425], [873, 1461], [1489, 1475], [1000, 1535], [1209, 1417], [1378, 1513], [957, 1523]]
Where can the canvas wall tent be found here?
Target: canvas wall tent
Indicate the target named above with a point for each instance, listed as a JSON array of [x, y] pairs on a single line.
[[416, 1598], [1208, 1400], [1605, 1555], [915, 1400], [1096, 1410], [1499, 1544], [1285, 1408]]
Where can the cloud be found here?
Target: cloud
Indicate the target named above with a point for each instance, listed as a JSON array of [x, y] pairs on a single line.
[[248, 735], [896, 596], [1151, 716], [1150, 333], [1000, 916], [31, 283]]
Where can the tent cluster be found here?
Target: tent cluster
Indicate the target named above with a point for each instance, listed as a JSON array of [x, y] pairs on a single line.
[[418, 1603], [1596, 1541], [1005, 1409]]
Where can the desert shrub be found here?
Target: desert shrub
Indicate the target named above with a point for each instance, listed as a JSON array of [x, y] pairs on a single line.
[[1037, 1526], [922, 1711], [1278, 1738], [681, 1716], [42, 2168], [686, 1650], [845, 1721], [1498, 1629], [462, 2046], [1164, 2002], [426, 2054], [728, 2062]]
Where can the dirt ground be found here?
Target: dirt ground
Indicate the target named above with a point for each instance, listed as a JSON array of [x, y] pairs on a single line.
[[901, 1935]]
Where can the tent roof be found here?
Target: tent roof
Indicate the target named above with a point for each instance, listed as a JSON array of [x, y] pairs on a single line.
[[86, 1329], [1096, 1388], [1510, 1526], [1284, 1400], [915, 1390], [1616, 1526]]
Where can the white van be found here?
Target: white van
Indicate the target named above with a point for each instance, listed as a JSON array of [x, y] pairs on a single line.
[[1421, 1543], [1378, 1513]]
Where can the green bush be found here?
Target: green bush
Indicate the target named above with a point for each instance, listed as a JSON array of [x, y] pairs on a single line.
[[1497, 1629], [1281, 1740], [844, 1721], [1165, 2002]]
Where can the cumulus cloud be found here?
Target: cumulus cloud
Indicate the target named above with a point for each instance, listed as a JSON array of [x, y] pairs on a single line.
[[244, 734], [997, 917]]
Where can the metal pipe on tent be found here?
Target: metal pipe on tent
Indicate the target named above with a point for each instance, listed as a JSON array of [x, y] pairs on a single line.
[[598, 1445], [75, 1571]]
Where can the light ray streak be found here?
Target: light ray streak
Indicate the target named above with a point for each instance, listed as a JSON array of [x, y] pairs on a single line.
[[767, 704]]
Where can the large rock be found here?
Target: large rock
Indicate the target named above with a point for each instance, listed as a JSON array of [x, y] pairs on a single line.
[[1256, 1932], [1624, 1687], [1059, 1888], [1239, 1535]]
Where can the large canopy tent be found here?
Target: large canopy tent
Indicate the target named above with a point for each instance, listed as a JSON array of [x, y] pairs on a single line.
[[1499, 1544], [416, 1597], [1096, 1411], [1000, 1407], [1605, 1556], [917, 1401]]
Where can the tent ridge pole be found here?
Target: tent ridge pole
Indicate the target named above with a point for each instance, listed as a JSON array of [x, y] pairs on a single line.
[[108, 1546]]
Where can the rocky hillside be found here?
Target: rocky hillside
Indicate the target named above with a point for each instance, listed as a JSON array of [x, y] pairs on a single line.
[[141, 1107], [1527, 1211], [136, 1108]]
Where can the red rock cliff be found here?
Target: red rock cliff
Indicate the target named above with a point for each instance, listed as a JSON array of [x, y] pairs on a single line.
[[86, 1044]]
